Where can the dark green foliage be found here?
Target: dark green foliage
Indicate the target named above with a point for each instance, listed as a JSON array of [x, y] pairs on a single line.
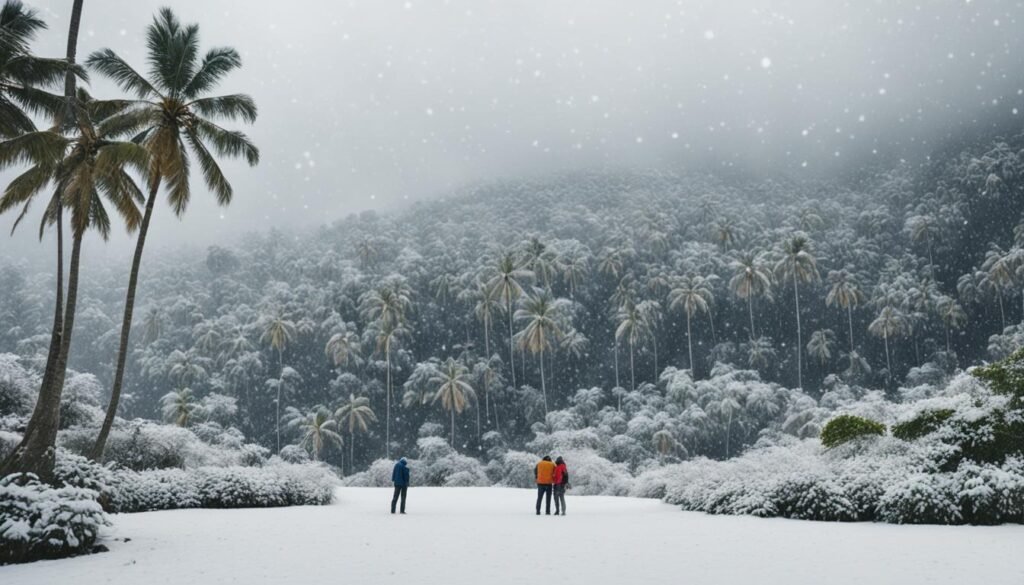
[[847, 427], [1005, 376], [923, 424]]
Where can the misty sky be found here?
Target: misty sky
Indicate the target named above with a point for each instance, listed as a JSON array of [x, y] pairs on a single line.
[[373, 103]]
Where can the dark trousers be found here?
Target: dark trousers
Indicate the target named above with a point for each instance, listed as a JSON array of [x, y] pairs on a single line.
[[543, 490], [400, 490], [560, 498]]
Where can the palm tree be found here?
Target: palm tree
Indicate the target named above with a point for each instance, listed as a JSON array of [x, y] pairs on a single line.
[[357, 415], [153, 326], [387, 335], [343, 348], [23, 75], [540, 313], [725, 233], [634, 326], [484, 309], [821, 344], [316, 429], [891, 322], [953, 316], [179, 406], [277, 334], [87, 169], [999, 272], [924, 228], [575, 268], [845, 293], [691, 294], [171, 113], [454, 390], [798, 264], [507, 285], [750, 279], [388, 304]]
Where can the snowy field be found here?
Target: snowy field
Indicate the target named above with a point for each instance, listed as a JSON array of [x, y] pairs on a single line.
[[456, 536]]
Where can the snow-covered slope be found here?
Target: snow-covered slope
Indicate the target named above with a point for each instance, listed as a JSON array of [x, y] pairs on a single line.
[[456, 536]]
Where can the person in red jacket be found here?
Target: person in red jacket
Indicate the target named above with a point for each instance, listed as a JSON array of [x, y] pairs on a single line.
[[561, 483]]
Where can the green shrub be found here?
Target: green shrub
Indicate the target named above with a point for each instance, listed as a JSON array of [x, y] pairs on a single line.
[[1005, 376], [923, 424], [846, 427]]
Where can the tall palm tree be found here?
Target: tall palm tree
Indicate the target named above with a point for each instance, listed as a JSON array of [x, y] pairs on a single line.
[[317, 429], [388, 334], [750, 279], [453, 390], [507, 285], [691, 294], [575, 268], [278, 332], [664, 443], [174, 115], [924, 228], [845, 293], [891, 322], [540, 314], [389, 303], [357, 415], [634, 327], [484, 309], [797, 263], [87, 169]]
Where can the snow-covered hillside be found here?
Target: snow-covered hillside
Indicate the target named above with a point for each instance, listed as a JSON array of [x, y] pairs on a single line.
[[456, 536]]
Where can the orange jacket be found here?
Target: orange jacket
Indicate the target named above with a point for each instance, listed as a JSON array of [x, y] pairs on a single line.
[[545, 472]]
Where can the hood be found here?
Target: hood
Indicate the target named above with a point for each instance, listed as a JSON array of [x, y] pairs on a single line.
[[402, 462]]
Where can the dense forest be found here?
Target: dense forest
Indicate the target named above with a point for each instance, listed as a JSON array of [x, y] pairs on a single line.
[[488, 309]]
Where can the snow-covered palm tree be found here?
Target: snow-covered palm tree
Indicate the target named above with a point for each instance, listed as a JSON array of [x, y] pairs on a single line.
[[750, 279], [355, 415], [317, 429], [800, 266], [891, 322], [507, 286], [691, 294], [539, 314], [845, 293], [453, 390]]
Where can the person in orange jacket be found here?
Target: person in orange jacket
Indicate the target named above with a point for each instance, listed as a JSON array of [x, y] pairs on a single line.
[[544, 473], [561, 483]]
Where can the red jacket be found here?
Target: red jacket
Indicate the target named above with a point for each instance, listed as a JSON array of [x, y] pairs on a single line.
[[561, 474]]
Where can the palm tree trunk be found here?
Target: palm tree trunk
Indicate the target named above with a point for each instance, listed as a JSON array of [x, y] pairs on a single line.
[[387, 390], [728, 434], [36, 452], [888, 364], [543, 386], [750, 309], [714, 336], [57, 332], [452, 412], [1002, 313], [632, 374], [689, 344], [849, 316], [487, 337], [351, 451], [799, 337], [280, 382], [511, 349], [654, 340], [126, 325], [616, 349]]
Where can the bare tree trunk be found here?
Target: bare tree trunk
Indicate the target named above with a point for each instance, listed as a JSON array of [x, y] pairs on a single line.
[[888, 364], [126, 325], [387, 425], [280, 382], [511, 349], [632, 374], [543, 386], [750, 309], [452, 412]]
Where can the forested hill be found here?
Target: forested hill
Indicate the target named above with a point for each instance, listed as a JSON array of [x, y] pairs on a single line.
[[611, 278]]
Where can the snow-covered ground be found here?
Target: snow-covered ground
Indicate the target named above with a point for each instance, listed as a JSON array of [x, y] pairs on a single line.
[[456, 536]]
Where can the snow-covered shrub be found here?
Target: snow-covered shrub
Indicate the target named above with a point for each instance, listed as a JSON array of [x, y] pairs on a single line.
[[438, 462], [513, 469], [38, 521], [813, 497], [294, 454], [593, 475], [989, 494], [8, 443], [923, 424], [18, 386], [922, 498], [848, 427], [378, 474]]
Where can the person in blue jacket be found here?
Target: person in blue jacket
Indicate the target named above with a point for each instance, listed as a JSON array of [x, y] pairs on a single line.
[[400, 477]]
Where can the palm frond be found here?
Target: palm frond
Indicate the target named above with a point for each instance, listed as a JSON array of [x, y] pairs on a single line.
[[231, 143], [227, 107], [215, 179], [217, 63], [111, 65]]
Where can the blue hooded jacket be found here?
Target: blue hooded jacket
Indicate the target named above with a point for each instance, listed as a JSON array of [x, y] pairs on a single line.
[[400, 476]]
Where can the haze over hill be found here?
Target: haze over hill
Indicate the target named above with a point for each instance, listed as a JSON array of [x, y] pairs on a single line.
[[368, 105]]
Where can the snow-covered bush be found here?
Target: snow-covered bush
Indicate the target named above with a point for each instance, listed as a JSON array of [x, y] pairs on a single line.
[[277, 483], [38, 521], [593, 475], [922, 498], [513, 469], [378, 474]]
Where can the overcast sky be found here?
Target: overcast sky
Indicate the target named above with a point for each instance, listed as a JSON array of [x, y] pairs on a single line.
[[370, 104]]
